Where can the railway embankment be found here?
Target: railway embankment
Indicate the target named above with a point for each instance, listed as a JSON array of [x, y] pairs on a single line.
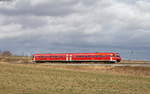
[[135, 62]]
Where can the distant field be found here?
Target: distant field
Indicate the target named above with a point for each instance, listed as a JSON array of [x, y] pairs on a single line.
[[41, 79], [16, 59]]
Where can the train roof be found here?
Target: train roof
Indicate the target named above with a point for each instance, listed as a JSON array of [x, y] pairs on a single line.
[[96, 53]]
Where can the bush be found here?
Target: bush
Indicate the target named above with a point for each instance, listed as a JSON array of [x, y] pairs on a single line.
[[6, 53]]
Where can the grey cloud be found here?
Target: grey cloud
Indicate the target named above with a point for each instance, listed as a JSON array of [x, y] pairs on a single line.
[[27, 22], [78, 26], [24, 7]]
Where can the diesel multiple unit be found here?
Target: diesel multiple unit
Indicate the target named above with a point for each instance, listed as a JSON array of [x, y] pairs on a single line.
[[77, 57]]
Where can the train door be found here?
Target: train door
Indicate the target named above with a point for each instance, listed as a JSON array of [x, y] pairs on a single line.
[[68, 57], [33, 58]]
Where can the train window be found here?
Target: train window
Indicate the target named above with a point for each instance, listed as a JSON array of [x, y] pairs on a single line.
[[117, 56], [88, 56], [97, 56], [81, 56], [42, 56], [106, 55], [36, 56], [78, 56], [101, 56]]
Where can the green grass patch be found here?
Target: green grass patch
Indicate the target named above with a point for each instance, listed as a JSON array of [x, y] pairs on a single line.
[[34, 79]]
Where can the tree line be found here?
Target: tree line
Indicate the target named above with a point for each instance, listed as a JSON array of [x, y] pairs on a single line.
[[5, 53]]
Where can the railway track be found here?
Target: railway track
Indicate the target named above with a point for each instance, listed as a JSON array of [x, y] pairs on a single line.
[[132, 65]]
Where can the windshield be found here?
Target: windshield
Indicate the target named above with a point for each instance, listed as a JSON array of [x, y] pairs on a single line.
[[117, 55]]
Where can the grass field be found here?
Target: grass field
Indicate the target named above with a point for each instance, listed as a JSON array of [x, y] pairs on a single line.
[[39, 79]]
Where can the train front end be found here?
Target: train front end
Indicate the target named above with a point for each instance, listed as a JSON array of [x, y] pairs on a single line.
[[116, 57]]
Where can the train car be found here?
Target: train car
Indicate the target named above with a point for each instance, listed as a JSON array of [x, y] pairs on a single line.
[[77, 57]]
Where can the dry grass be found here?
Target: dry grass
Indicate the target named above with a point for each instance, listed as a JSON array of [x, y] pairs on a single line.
[[39, 79], [135, 61], [16, 59], [126, 70]]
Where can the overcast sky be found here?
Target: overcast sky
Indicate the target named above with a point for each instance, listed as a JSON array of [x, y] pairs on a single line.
[[48, 26]]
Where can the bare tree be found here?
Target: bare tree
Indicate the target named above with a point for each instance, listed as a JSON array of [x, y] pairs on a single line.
[[6, 53]]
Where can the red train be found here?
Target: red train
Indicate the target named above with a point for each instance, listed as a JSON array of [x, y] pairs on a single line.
[[77, 57]]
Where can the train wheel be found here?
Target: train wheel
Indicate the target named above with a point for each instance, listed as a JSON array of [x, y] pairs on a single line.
[[112, 62], [37, 62]]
